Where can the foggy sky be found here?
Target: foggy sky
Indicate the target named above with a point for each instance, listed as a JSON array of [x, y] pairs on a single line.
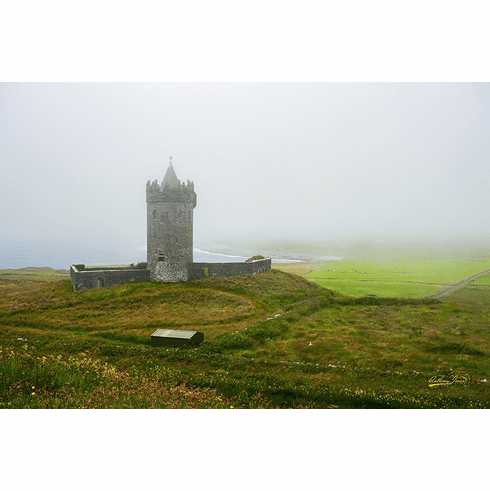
[[267, 160]]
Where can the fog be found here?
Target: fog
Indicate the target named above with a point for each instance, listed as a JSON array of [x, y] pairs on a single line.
[[268, 160]]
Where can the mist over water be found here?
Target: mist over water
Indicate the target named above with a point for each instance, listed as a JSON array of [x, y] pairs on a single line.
[[25, 256], [270, 162]]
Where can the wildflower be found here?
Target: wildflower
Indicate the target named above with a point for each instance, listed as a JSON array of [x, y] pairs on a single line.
[[33, 394], [232, 407]]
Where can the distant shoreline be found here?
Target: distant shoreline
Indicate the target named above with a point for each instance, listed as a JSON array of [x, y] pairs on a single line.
[[207, 255], [19, 258]]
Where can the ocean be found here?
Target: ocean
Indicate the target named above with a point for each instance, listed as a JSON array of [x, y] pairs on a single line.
[[61, 258]]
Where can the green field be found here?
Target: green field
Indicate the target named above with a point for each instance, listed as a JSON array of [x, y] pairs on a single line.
[[378, 288], [479, 294], [271, 340], [482, 280], [403, 278], [33, 274], [476, 290]]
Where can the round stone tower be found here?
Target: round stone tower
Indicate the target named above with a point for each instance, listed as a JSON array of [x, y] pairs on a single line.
[[169, 227]]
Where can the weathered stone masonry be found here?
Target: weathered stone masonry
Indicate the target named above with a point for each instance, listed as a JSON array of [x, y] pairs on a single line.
[[82, 279], [169, 243], [204, 270], [169, 227]]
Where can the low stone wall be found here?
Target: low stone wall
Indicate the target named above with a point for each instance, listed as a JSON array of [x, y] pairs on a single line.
[[83, 279], [204, 270]]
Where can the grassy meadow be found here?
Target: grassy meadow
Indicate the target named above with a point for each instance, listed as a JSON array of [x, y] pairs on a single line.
[[274, 340], [483, 280], [477, 290], [33, 274], [401, 278]]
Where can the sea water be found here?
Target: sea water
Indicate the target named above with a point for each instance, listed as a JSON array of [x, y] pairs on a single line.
[[58, 257]]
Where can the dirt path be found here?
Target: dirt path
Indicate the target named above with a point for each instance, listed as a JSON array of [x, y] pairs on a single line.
[[459, 284]]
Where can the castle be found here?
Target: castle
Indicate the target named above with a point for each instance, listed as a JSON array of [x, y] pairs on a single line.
[[169, 219], [170, 208]]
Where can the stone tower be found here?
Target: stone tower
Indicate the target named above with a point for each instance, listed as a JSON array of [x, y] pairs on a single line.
[[169, 227]]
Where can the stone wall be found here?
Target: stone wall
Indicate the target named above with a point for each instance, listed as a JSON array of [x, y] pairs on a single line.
[[83, 279], [204, 270]]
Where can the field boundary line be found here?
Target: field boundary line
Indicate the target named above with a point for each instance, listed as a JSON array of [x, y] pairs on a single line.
[[461, 283], [383, 281]]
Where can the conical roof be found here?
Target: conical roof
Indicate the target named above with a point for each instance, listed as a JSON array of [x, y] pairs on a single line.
[[170, 178]]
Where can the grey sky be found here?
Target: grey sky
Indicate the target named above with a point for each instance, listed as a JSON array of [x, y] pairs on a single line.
[[267, 160]]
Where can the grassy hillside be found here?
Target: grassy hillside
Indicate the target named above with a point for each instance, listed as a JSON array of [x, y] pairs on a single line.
[[271, 340]]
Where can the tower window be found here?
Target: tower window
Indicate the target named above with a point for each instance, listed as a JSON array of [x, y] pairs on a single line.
[[154, 214], [161, 257]]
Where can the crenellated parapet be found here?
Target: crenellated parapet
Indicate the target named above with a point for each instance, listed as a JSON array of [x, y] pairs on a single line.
[[177, 193]]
